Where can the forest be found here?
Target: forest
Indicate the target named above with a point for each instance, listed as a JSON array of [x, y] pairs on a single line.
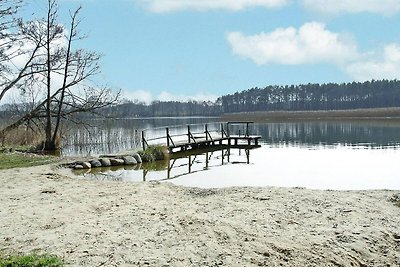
[[305, 97]]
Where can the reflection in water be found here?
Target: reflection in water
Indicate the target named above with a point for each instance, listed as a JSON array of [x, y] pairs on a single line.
[[368, 134], [193, 163], [320, 167], [180, 165]]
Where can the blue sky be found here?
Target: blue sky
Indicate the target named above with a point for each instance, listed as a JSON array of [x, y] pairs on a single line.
[[201, 49]]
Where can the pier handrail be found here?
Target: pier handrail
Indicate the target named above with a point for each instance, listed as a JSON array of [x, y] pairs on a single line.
[[191, 135]]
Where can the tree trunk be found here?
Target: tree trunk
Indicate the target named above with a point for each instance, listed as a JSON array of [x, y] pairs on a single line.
[[48, 143]]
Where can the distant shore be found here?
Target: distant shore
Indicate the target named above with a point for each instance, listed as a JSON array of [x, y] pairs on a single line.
[[351, 114], [109, 223]]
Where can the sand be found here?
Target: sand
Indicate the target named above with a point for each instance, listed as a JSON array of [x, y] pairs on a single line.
[[100, 223]]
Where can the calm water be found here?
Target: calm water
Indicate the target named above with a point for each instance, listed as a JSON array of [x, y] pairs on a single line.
[[320, 155]]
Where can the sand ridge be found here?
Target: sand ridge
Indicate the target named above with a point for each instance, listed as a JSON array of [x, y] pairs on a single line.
[[108, 223]]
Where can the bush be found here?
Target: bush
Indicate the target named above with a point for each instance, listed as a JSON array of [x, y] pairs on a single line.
[[154, 153]]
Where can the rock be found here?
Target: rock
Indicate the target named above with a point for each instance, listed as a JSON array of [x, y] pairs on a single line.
[[95, 163], [86, 165], [105, 162], [137, 157], [78, 167], [129, 160], [117, 162]]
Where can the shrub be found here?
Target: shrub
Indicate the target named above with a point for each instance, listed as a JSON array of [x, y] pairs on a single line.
[[154, 153]]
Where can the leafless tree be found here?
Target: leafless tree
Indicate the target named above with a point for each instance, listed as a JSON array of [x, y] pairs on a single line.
[[56, 58]]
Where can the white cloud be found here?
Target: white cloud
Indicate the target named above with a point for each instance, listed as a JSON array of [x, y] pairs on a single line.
[[311, 43], [386, 65], [166, 96], [162, 6], [139, 95], [385, 7], [147, 97]]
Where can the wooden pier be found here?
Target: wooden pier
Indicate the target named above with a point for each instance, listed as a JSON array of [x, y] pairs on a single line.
[[224, 137]]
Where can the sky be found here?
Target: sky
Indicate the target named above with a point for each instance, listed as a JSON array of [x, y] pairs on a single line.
[[202, 49]]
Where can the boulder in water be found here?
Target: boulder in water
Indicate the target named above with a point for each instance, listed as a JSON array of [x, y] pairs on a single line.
[[137, 157], [95, 163], [105, 162], [117, 162], [129, 160]]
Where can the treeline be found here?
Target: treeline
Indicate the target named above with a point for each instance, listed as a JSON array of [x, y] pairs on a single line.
[[331, 96], [306, 97]]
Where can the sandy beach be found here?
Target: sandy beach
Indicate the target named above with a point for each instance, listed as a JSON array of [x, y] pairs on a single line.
[[100, 223]]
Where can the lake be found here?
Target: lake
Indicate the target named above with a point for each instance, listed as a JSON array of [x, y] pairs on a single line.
[[351, 155]]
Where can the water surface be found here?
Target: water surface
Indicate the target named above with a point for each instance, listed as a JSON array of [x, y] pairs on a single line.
[[319, 155]]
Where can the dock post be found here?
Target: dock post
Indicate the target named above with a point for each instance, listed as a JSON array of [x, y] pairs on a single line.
[[167, 136], [188, 133], [222, 130], [143, 141], [206, 132], [190, 164]]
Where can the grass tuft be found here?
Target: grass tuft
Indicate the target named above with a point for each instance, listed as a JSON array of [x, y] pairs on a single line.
[[19, 160], [154, 153], [31, 260]]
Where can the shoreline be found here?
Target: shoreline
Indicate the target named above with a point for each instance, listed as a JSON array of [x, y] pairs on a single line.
[[94, 223]]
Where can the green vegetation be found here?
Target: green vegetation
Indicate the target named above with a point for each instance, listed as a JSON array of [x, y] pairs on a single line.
[[18, 160], [154, 153], [31, 260]]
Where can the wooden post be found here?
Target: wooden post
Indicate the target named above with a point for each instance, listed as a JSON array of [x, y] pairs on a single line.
[[190, 164], [206, 132], [169, 169], [247, 129], [188, 133], [167, 136], [143, 141], [222, 130]]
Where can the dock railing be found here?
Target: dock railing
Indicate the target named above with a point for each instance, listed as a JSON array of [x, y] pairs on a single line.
[[196, 134]]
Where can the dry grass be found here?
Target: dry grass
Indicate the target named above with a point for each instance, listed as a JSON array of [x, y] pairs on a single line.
[[22, 137]]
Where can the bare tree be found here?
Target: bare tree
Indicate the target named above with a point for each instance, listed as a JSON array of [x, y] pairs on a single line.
[[56, 58], [8, 8], [20, 42]]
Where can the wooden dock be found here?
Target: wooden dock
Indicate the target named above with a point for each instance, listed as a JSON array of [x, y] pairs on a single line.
[[224, 137]]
